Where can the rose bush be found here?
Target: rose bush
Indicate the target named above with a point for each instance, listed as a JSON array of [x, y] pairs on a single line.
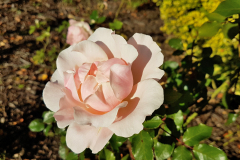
[[77, 32], [105, 85]]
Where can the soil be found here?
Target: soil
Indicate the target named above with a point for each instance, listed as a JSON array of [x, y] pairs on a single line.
[[22, 82]]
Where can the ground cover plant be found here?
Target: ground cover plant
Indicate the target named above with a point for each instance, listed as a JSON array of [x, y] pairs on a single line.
[[192, 112]]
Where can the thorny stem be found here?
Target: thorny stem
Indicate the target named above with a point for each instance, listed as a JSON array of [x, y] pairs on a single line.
[[130, 150]]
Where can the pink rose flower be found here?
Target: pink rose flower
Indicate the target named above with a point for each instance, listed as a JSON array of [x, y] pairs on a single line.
[[77, 32], [105, 85]]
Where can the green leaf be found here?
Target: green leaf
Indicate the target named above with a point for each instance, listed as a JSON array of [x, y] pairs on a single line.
[[48, 117], [63, 140], [170, 64], [171, 96], [216, 17], [109, 154], [153, 123], [47, 129], [225, 100], [63, 151], [208, 29], [178, 119], [101, 20], [163, 150], [182, 103], [116, 25], [206, 152], [142, 146], [228, 8], [230, 30], [182, 153], [116, 142], [72, 156], [36, 125], [94, 15], [125, 157], [32, 29], [194, 135], [190, 118], [40, 38], [175, 43], [232, 117], [151, 132]]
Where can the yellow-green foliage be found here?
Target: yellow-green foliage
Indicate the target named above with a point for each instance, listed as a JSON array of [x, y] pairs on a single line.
[[182, 18]]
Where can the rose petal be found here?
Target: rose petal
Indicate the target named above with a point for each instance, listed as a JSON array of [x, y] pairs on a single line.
[[146, 97], [106, 42], [85, 69], [129, 53], [52, 93], [83, 117], [56, 77], [119, 40], [104, 68], [68, 60], [91, 51], [64, 116], [121, 80], [80, 137], [72, 22], [103, 136], [76, 34], [155, 73], [149, 56], [69, 81], [103, 99], [101, 78], [89, 86]]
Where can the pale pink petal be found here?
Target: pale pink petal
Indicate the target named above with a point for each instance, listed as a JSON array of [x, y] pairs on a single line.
[[121, 80], [91, 51], [89, 86], [64, 116], [103, 136], [56, 77], [103, 99], [101, 78], [80, 137], [119, 40], [155, 73], [83, 117], [129, 53], [69, 83], [105, 66], [93, 69], [149, 56], [52, 93], [68, 60], [146, 97], [74, 35], [106, 42], [83, 71], [72, 22]]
